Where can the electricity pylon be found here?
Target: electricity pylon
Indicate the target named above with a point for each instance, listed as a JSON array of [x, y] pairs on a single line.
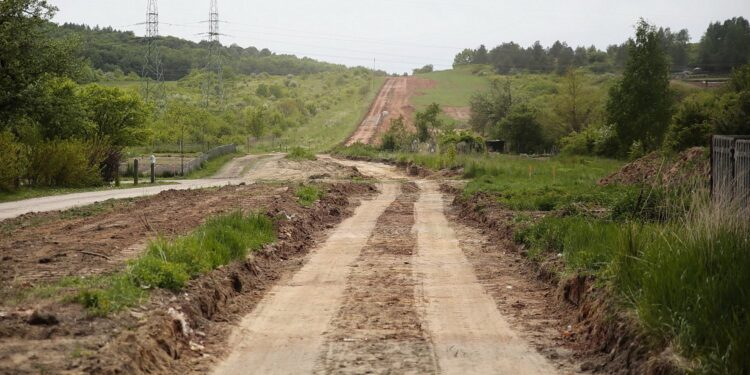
[[214, 85], [153, 73]]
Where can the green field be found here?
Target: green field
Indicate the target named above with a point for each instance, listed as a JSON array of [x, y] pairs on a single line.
[[453, 88]]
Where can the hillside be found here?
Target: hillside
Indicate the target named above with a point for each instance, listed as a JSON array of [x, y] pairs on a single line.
[[113, 51]]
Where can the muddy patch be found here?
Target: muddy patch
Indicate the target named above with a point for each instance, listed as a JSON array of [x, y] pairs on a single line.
[[378, 329]]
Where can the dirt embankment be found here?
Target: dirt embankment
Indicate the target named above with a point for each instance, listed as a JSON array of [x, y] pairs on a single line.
[[392, 102], [570, 320], [688, 168], [171, 332]]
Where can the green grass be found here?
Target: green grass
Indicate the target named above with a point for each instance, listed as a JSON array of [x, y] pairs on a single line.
[[299, 154], [307, 195], [453, 88], [520, 183], [170, 264]]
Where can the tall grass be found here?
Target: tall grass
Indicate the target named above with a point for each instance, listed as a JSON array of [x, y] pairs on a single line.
[[171, 264], [688, 281], [308, 194], [687, 277], [299, 153]]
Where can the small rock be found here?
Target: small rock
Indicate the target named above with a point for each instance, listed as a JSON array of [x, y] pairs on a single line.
[[38, 318], [137, 315], [587, 366], [199, 333], [196, 347]]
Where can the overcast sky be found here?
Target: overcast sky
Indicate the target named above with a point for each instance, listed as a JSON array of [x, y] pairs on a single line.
[[404, 34]]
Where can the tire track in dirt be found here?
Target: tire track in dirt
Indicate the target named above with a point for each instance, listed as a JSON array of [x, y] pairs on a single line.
[[469, 334], [393, 101], [284, 333], [378, 329]]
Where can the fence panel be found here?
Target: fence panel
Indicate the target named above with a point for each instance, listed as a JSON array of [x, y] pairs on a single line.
[[742, 170], [722, 165]]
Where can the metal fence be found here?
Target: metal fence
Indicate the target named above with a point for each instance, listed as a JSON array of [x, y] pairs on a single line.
[[173, 165], [730, 167]]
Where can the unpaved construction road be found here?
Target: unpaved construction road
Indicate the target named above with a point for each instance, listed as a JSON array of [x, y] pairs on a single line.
[[390, 291], [393, 101]]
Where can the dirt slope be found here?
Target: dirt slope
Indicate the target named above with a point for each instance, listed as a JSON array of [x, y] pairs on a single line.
[[394, 100]]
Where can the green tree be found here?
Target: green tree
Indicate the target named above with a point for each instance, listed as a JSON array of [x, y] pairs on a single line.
[[640, 104], [490, 107], [119, 119], [573, 105], [28, 56], [119, 116], [61, 110], [428, 121], [521, 130], [257, 119]]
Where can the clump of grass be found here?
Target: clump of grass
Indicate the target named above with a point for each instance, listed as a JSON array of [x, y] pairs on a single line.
[[299, 154], [307, 195], [171, 264], [688, 281], [685, 275]]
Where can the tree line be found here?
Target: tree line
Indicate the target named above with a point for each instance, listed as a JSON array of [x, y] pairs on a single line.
[[642, 111], [121, 53], [723, 47]]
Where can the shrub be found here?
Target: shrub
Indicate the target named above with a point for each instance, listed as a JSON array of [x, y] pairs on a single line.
[[12, 161], [69, 163], [691, 125], [299, 153]]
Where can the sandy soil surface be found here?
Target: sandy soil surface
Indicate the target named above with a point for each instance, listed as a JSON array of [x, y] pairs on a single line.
[[284, 334], [64, 338], [394, 100], [400, 298]]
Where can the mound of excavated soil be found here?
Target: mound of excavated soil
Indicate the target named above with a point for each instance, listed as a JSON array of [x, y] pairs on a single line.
[[689, 167]]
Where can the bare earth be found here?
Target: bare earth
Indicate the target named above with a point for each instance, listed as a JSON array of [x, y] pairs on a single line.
[[393, 101], [391, 291]]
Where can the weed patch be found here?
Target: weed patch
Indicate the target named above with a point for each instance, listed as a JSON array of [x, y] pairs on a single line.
[[299, 153], [308, 195], [171, 264]]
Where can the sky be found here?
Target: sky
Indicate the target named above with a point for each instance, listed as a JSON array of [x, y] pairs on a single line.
[[399, 35]]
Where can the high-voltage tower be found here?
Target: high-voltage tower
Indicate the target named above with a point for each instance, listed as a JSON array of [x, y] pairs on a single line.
[[153, 72], [214, 86]]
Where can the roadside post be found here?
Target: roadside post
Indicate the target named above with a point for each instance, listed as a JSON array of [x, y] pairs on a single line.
[[135, 172], [153, 169]]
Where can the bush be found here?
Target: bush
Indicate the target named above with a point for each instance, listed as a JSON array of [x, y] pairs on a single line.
[[12, 161], [70, 163], [299, 153], [691, 125], [594, 141]]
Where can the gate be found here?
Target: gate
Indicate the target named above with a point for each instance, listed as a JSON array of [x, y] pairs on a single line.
[[730, 167]]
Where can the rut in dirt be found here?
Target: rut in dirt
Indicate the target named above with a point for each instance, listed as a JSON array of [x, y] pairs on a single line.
[[378, 328]]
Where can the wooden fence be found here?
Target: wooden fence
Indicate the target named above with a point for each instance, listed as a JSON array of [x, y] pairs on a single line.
[[730, 167]]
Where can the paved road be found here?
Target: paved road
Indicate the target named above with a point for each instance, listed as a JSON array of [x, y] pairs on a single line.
[[63, 202]]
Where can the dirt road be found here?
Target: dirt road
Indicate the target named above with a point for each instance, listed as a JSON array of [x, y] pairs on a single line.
[[390, 291], [394, 100], [243, 170]]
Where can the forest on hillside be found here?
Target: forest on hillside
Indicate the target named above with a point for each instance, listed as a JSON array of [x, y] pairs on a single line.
[[724, 46], [121, 53]]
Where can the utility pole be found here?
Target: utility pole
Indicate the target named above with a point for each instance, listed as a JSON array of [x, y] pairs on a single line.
[[153, 73], [213, 65]]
